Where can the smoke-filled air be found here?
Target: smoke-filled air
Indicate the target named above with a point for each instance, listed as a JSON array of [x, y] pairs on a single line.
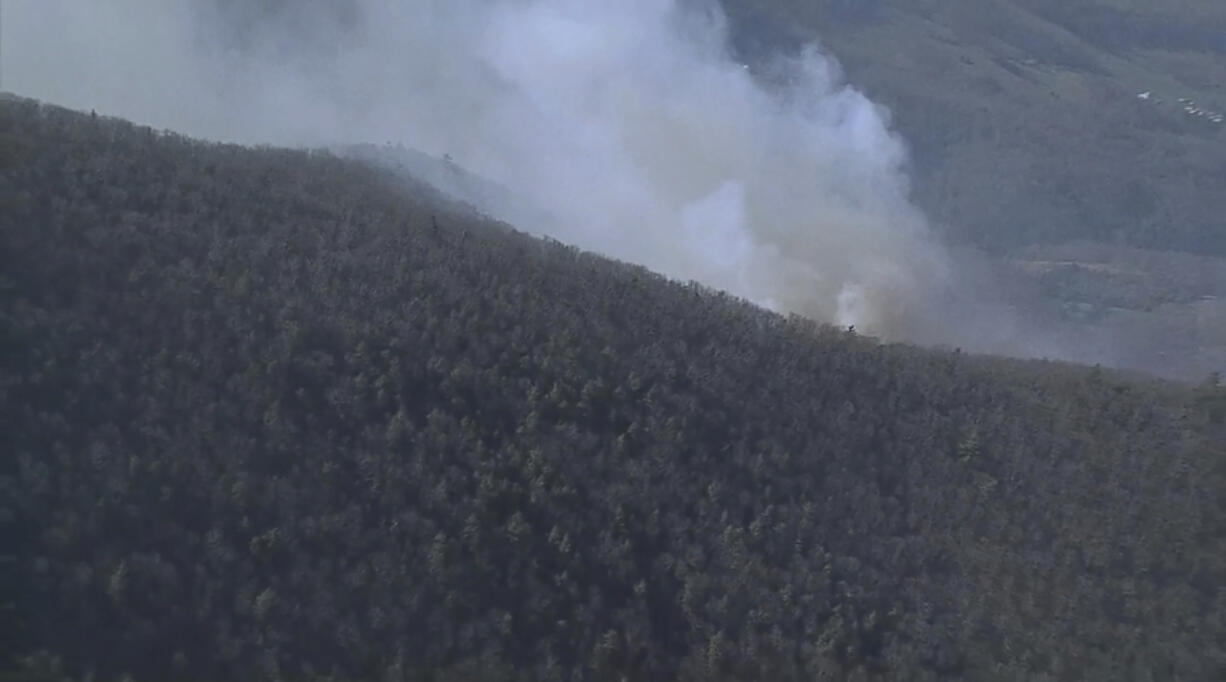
[[630, 126]]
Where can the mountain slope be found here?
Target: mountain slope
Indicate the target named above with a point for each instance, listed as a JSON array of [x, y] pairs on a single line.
[[1024, 115], [268, 416]]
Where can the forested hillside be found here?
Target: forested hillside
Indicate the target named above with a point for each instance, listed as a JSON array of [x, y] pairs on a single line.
[[267, 415]]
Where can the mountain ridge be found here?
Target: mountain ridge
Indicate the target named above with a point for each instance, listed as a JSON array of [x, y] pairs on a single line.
[[274, 416]]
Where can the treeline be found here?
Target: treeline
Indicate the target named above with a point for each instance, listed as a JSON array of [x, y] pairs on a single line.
[[266, 415]]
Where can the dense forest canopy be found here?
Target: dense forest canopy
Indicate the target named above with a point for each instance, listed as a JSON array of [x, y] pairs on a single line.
[[269, 415]]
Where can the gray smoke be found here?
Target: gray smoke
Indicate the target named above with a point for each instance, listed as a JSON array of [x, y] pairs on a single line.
[[629, 123]]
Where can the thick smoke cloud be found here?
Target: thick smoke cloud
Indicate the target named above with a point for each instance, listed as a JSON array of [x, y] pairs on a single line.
[[629, 123]]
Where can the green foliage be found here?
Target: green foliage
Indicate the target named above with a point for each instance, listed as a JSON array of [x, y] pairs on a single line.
[[263, 420]]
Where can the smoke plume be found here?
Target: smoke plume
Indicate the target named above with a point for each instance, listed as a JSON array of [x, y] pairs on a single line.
[[630, 124]]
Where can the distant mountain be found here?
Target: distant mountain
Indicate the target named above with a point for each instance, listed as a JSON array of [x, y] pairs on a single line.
[[1038, 121], [270, 414], [1025, 117]]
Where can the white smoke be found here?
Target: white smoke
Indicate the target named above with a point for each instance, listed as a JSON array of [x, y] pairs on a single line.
[[629, 122]]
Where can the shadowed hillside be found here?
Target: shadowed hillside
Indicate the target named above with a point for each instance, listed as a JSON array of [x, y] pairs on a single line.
[[268, 416]]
